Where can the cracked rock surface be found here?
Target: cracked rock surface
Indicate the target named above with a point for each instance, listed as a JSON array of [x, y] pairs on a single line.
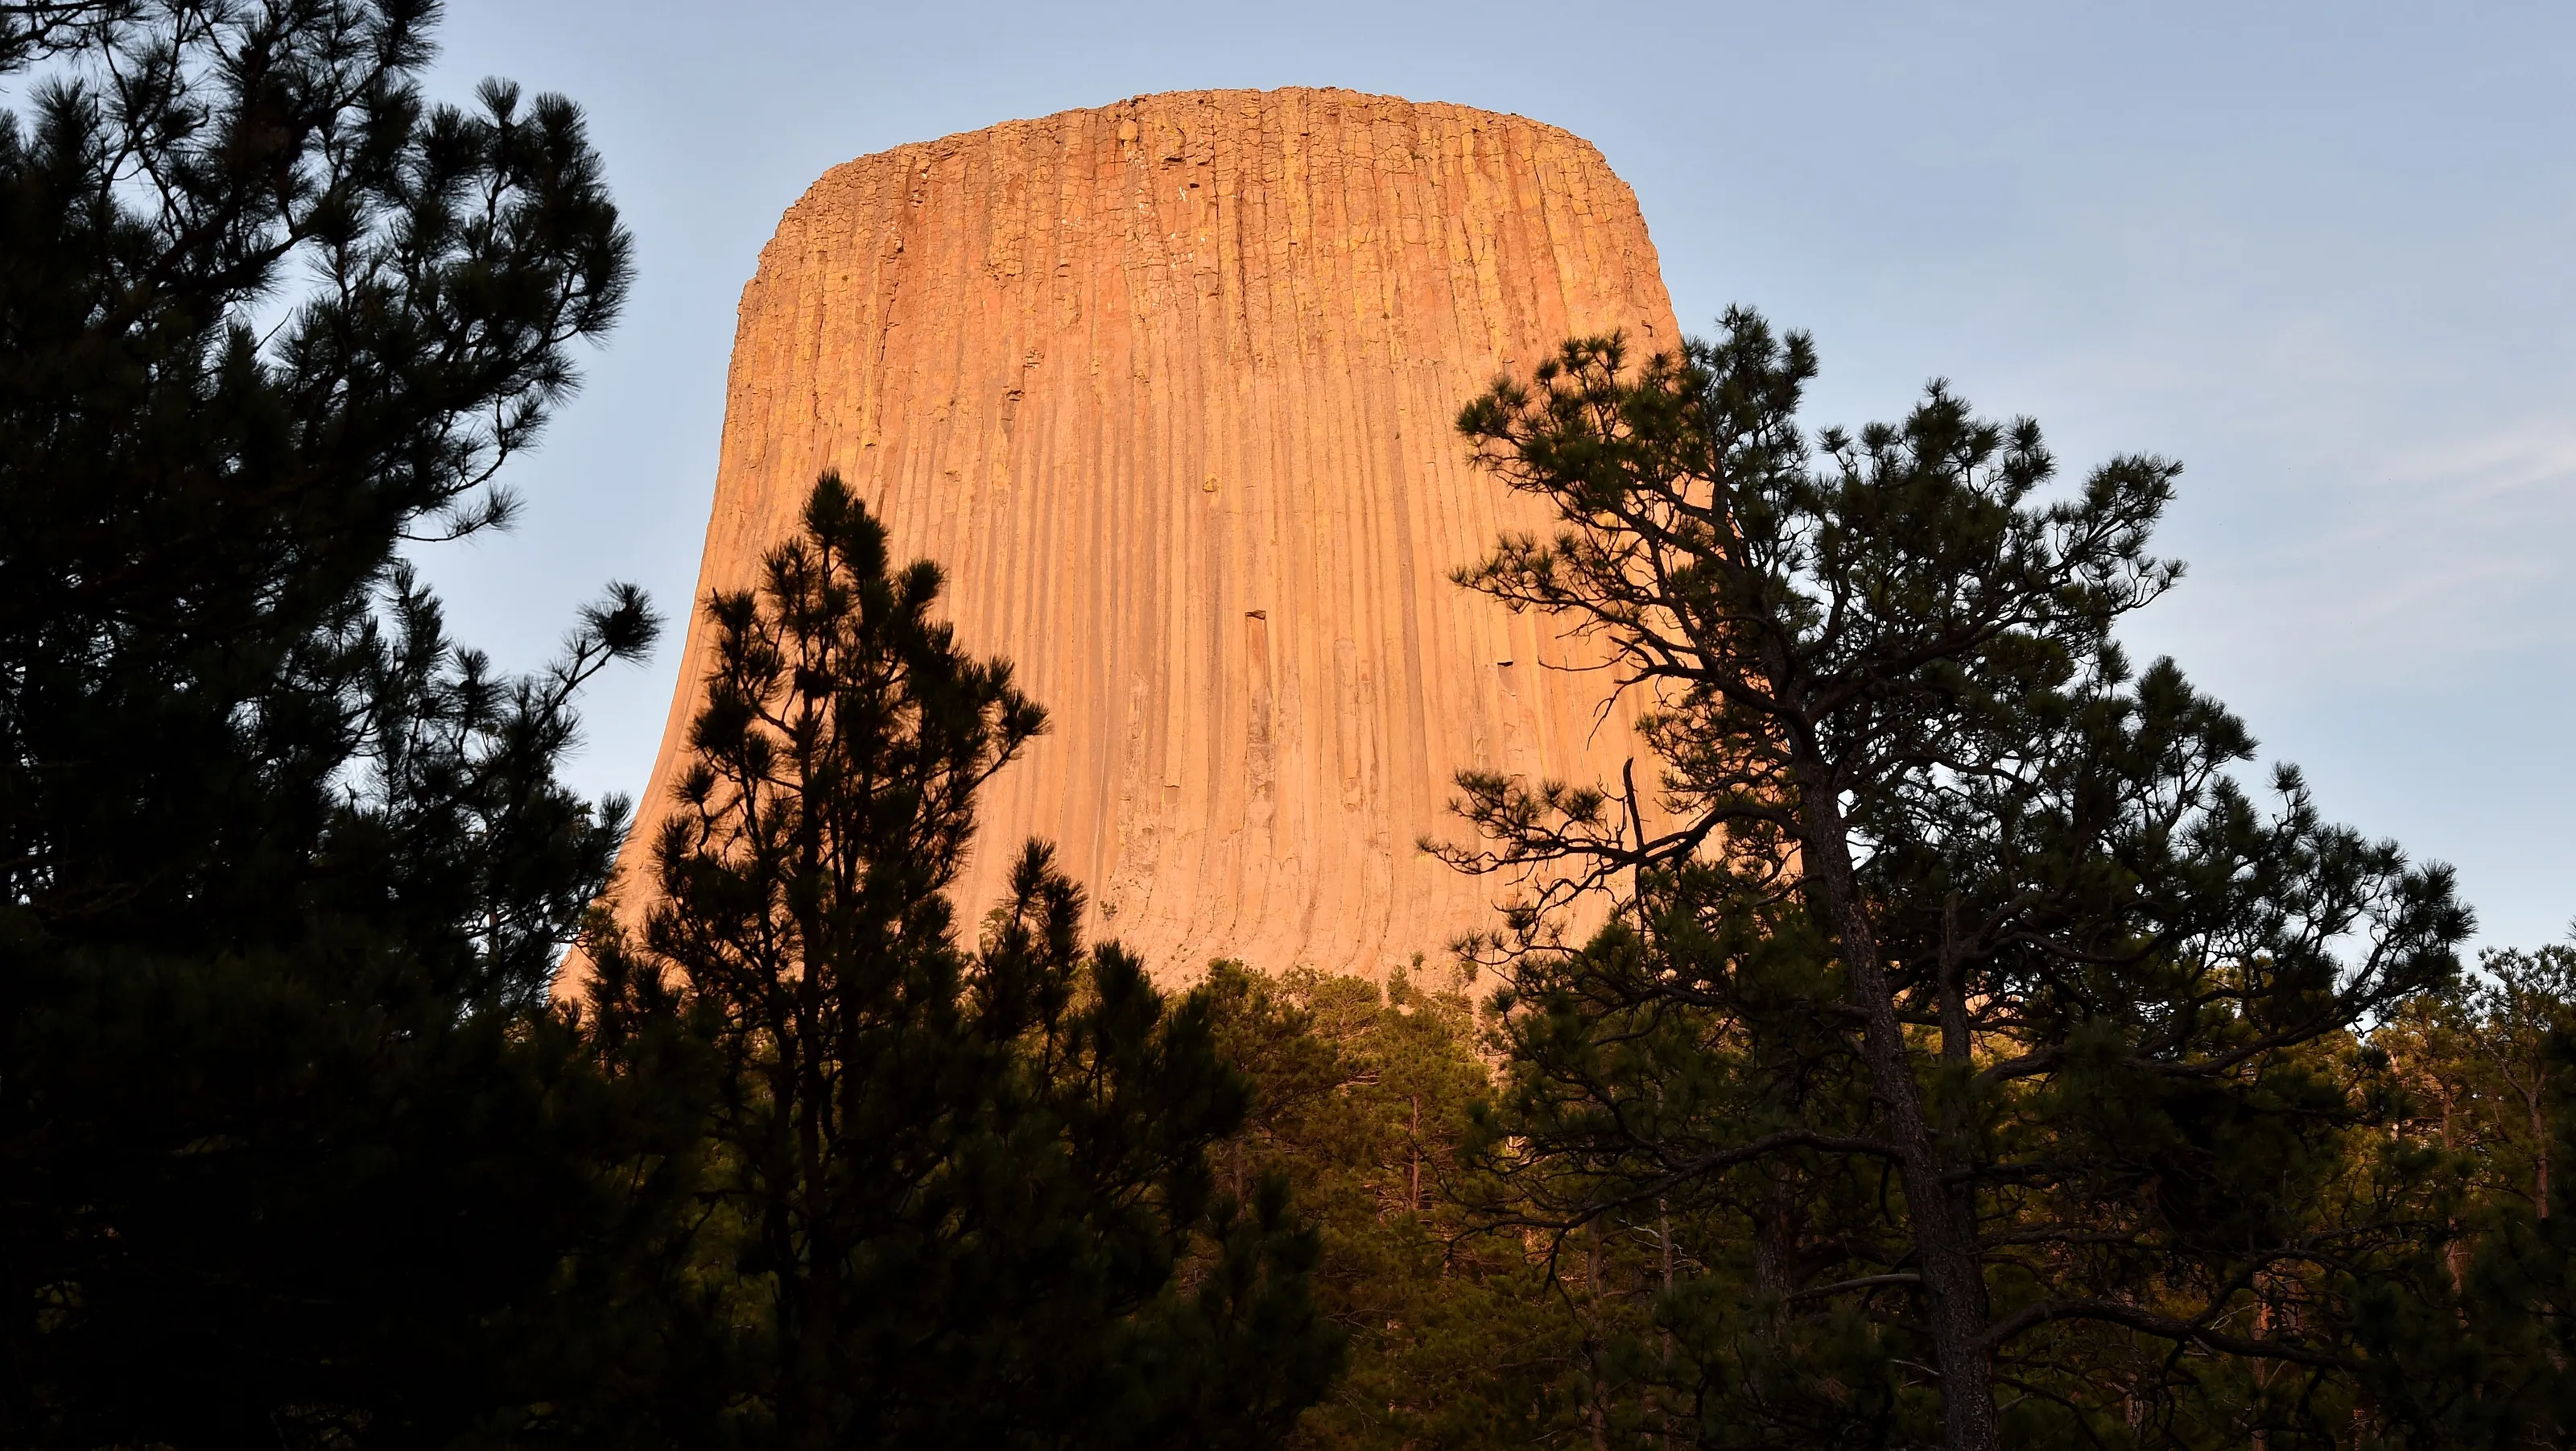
[[1168, 389]]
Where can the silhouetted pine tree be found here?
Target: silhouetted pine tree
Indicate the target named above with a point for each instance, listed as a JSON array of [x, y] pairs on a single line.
[[2038, 1027], [290, 1152], [953, 1185]]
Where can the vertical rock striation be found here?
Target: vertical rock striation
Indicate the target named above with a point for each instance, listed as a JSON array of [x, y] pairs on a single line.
[[1167, 388]]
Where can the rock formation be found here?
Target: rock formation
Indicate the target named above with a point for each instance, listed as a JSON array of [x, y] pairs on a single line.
[[1168, 390]]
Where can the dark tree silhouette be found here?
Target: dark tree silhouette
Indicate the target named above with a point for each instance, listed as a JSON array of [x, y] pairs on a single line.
[[289, 1151], [2064, 981], [956, 1183]]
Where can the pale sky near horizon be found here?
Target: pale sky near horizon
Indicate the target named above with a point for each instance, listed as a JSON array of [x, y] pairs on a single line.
[[2321, 253]]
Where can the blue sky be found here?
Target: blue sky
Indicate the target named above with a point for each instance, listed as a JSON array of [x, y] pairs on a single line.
[[2323, 254]]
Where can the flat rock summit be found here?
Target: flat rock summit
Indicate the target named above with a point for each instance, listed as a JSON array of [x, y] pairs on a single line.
[[1167, 388]]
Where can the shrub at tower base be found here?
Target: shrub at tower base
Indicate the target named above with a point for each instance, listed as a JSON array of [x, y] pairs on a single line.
[[959, 1195]]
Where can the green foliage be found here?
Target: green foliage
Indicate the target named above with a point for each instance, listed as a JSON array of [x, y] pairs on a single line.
[[1534, 1297], [2472, 1324], [1363, 1100], [952, 1190], [1615, 1096], [2038, 1026], [290, 1152], [1968, 1058]]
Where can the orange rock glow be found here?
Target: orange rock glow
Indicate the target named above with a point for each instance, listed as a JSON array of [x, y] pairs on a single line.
[[1168, 389]]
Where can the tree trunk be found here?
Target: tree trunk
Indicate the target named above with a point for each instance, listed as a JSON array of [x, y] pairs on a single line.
[[1775, 1240], [1664, 1393], [1413, 1139], [1944, 1238], [2539, 1144], [2262, 1439], [2455, 1253], [812, 1107], [1592, 1344]]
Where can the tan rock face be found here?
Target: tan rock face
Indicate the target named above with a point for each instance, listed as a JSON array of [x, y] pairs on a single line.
[[1168, 390]]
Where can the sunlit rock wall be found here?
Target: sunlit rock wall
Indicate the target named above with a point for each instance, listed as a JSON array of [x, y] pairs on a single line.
[[1168, 389]]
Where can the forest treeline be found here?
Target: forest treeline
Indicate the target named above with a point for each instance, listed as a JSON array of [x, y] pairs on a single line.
[[1974, 1049]]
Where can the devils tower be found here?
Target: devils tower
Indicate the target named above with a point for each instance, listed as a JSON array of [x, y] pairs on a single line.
[[1167, 388]]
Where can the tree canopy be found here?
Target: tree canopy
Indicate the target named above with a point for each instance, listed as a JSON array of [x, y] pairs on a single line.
[[1950, 954], [1977, 1050], [963, 1192], [289, 1152]]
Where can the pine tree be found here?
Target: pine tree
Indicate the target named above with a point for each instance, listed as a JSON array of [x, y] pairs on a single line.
[[955, 1183], [2471, 1325], [1628, 1095], [2079, 1004], [2519, 1001], [1364, 1099], [290, 1152]]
